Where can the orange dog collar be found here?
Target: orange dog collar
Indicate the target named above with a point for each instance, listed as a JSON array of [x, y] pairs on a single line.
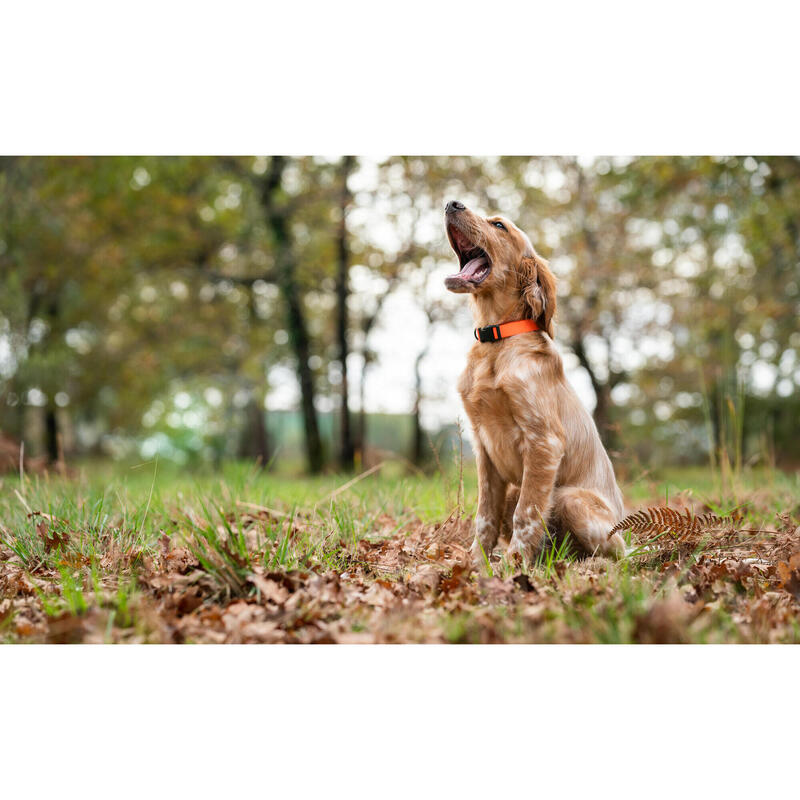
[[493, 333]]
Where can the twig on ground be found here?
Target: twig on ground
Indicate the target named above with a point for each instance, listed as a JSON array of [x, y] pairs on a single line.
[[22, 500], [266, 509], [344, 487], [149, 498]]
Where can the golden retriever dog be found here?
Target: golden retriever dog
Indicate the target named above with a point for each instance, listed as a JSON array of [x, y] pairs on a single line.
[[532, 435]]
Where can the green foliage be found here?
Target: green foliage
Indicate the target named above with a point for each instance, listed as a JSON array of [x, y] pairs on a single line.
[[126, 282]]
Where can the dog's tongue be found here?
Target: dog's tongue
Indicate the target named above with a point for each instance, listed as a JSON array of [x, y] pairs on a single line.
[[472, 267]]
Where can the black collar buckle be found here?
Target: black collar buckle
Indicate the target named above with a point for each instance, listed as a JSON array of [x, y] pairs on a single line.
[[491, 333]]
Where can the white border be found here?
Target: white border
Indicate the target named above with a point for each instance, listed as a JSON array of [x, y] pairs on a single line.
[[398, 721], [417, 77]]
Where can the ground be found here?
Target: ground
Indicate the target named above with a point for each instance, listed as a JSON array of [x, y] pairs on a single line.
[[152, 553]]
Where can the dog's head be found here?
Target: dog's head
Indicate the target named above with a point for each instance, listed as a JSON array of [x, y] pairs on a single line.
[[496, 258]]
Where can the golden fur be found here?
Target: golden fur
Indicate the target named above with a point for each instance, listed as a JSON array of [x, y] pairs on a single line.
[[531, 431]]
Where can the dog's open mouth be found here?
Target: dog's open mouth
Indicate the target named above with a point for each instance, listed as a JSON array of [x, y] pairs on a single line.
[[474, 262]]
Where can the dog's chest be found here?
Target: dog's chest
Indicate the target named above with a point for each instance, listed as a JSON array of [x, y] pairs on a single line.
[[489, 410]]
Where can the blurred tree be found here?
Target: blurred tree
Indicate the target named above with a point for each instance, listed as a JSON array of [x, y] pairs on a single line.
[[409, 199], [287, 242], [96, 287], [707, 246], [277, 211], [740, 214], [134, 288], [63, 269], [609, 313], [346, 445]]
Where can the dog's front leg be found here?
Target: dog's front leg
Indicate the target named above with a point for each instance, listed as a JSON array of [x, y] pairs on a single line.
[[534, 504], [491, 498]]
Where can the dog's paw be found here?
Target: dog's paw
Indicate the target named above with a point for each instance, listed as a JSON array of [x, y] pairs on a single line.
[[615, 548], [517, 554], [479, 558]]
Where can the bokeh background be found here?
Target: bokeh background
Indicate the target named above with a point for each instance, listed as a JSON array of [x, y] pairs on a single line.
[[291, 310]]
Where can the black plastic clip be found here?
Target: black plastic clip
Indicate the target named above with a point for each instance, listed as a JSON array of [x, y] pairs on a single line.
[[491, 333]]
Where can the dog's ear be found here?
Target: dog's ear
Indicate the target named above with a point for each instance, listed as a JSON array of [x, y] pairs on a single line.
[[539, 292]]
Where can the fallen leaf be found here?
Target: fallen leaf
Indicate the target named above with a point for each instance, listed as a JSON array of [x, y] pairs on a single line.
[[271, 590], [53, 541], [424, 579]]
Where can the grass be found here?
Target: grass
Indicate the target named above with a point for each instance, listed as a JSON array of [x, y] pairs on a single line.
[[153, 553]]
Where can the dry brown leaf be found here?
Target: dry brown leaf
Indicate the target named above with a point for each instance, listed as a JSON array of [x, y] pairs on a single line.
[[424, 579], [52, 541], [665, 621], [789, 576], [271, 591]]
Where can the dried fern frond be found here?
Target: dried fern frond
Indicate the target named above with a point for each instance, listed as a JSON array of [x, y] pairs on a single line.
[[652, 521]]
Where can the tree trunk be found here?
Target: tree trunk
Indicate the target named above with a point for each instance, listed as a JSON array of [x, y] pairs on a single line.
[[346, 447], [602, 393], [256, 439], [367, 326], [51, 434], [298, 331], [361, 433], [602, 415], [299, 339], [418, 440]]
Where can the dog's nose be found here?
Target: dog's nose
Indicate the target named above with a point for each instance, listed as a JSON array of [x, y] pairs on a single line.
[[453, 206]]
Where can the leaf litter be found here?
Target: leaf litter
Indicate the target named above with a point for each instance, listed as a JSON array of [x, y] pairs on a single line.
[[260, 575]]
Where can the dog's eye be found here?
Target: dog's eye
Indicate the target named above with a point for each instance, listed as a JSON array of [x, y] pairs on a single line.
[[500, 225]]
